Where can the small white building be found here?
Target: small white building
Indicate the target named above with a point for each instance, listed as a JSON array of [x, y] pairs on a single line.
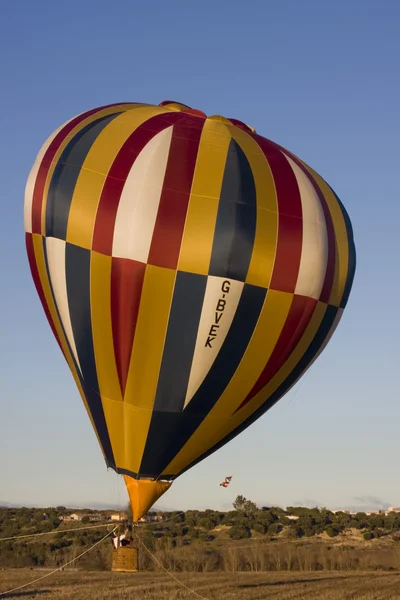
[[73, 517], [118, 517], [150, 517]]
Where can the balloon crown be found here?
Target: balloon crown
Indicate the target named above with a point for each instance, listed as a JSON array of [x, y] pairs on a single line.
[[178, 106]]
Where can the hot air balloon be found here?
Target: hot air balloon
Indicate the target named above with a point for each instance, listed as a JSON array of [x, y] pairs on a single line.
[[191, 271]]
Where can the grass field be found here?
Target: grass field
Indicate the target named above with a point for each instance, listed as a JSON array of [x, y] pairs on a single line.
[[81, 585]]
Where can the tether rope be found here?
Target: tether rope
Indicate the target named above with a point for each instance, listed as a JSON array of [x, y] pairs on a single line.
[[20, 587], [169, 572]]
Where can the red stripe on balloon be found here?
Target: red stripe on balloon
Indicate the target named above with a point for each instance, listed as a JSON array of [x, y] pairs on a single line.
[[38, 284], [290, 220], [37, 199], [109, 200], [126, 288], [174, 201], [297, 321]]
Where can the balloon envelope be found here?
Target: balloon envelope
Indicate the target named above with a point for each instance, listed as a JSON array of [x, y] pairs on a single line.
[[191, 271]]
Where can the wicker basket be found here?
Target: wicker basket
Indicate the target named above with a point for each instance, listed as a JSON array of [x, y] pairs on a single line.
[[125, 559]]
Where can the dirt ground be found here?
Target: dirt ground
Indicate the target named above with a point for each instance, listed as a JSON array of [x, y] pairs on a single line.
[[81, 585]]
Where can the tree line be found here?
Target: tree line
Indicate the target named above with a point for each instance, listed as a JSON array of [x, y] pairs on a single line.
[[198, 537]]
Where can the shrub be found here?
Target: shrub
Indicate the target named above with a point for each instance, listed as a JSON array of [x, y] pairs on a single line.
[[238, 533], [274, 529], [331, 532], [260, 527]]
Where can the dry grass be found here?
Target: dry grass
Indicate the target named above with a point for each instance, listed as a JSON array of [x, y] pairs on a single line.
[[81, 585]]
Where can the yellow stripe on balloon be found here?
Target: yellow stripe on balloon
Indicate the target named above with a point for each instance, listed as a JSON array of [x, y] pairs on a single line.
[[198, 236], [148, 345], [266, 334], [114, 415], [107, 374], [100, 303]]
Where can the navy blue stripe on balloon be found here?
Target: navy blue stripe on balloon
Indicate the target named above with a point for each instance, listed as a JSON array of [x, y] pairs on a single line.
[[77, 271], [99, 422], [95, 407], [298, 371], [236, 219], [169, 432], [65, 175], [166, 431], [180, 341]]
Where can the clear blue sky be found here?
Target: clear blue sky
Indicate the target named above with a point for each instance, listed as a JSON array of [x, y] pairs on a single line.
[[321, 79]]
